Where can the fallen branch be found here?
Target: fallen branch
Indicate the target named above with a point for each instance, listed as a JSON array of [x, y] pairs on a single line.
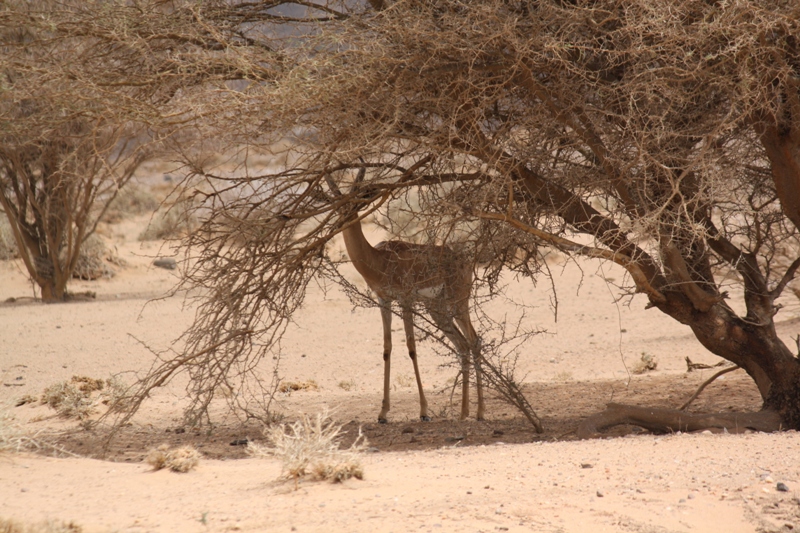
[[672, 420]]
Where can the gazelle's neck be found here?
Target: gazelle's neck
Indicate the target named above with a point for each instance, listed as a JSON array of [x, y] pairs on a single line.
[[366, 259]]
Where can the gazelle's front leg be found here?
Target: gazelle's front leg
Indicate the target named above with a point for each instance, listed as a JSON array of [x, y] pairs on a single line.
[[386, 316], [408, 324]]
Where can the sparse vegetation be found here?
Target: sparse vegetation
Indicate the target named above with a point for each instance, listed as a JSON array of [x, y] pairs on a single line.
[[51, 526], [287, 387], [80, 396], [8, 248], [170, 222], [130, 201], [310, 448], [646, 363], [181, 459], [347, 385]]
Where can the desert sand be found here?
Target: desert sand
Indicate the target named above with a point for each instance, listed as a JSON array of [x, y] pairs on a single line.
[[444, 475]]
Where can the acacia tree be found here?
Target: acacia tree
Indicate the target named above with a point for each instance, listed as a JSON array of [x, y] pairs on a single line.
[[680, 120], [64, 152]]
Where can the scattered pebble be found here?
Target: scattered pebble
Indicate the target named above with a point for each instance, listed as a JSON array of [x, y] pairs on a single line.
[[455, 439], [373, 449], [782, 487], [498, 433], [587, 465], [599, 494], [240, 442], [407, 429]]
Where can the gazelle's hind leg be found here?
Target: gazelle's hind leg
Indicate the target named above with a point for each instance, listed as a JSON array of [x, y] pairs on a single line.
[[386, 316], [446, 325], [474, 341], [408, 324]]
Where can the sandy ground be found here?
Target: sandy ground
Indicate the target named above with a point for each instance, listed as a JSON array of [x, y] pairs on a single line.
[[445, 475]]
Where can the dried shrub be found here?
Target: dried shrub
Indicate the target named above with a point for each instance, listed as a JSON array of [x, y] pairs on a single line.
[[181, 459], [289, 386], [77, 397], [13, 526], [310, 448], [12, 437], [68, 400], [647, 363], [92, 260], [131, 200], [170, 223], [8, 246]]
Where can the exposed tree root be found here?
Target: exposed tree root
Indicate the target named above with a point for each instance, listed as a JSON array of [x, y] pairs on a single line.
[[672, 420]]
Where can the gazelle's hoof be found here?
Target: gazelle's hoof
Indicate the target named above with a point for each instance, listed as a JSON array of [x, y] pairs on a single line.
[[382, 421], [425, 418]]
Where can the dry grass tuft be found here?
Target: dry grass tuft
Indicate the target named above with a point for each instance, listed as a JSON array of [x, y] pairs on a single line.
[[170, 223], [347, 385], [181, 459], [309, 448], [77, 397], [12, 438], [92, 260], [289, 386], [647, 363], [131, 200], [13, 526], [8, 246], [68, 400]]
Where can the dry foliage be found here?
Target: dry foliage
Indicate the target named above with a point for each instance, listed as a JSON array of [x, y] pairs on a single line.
[[662, 137], [289, 386], [52, 526], [309, 448], [81, 396], [181, 459]]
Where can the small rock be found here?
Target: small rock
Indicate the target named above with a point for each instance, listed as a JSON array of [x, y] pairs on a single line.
[[407, 429], [167, 263], [782, 487], [240, 442], [690, 496], [587, 465], [599, 494], [455, 439], [373, 449], [180, 430], [498, 433]]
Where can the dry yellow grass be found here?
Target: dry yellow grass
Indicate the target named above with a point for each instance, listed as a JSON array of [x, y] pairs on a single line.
[[181, 459], [309, 448], [14, 526], [289, 386]]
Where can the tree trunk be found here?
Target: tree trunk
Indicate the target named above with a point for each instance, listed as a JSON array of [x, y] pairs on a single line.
[[783, 150]]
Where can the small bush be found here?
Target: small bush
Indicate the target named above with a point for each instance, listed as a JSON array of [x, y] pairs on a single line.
[[92, 259], [8, 246], [310, 449], [647, 363], [76, 398], [12, 526], [170, 223], [12, 438], [131, 200], [68, 400], [347, 385], [181, 459], [289, 386]]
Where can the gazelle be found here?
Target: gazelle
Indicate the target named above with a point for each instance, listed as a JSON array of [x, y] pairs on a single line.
[[433, 275]]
